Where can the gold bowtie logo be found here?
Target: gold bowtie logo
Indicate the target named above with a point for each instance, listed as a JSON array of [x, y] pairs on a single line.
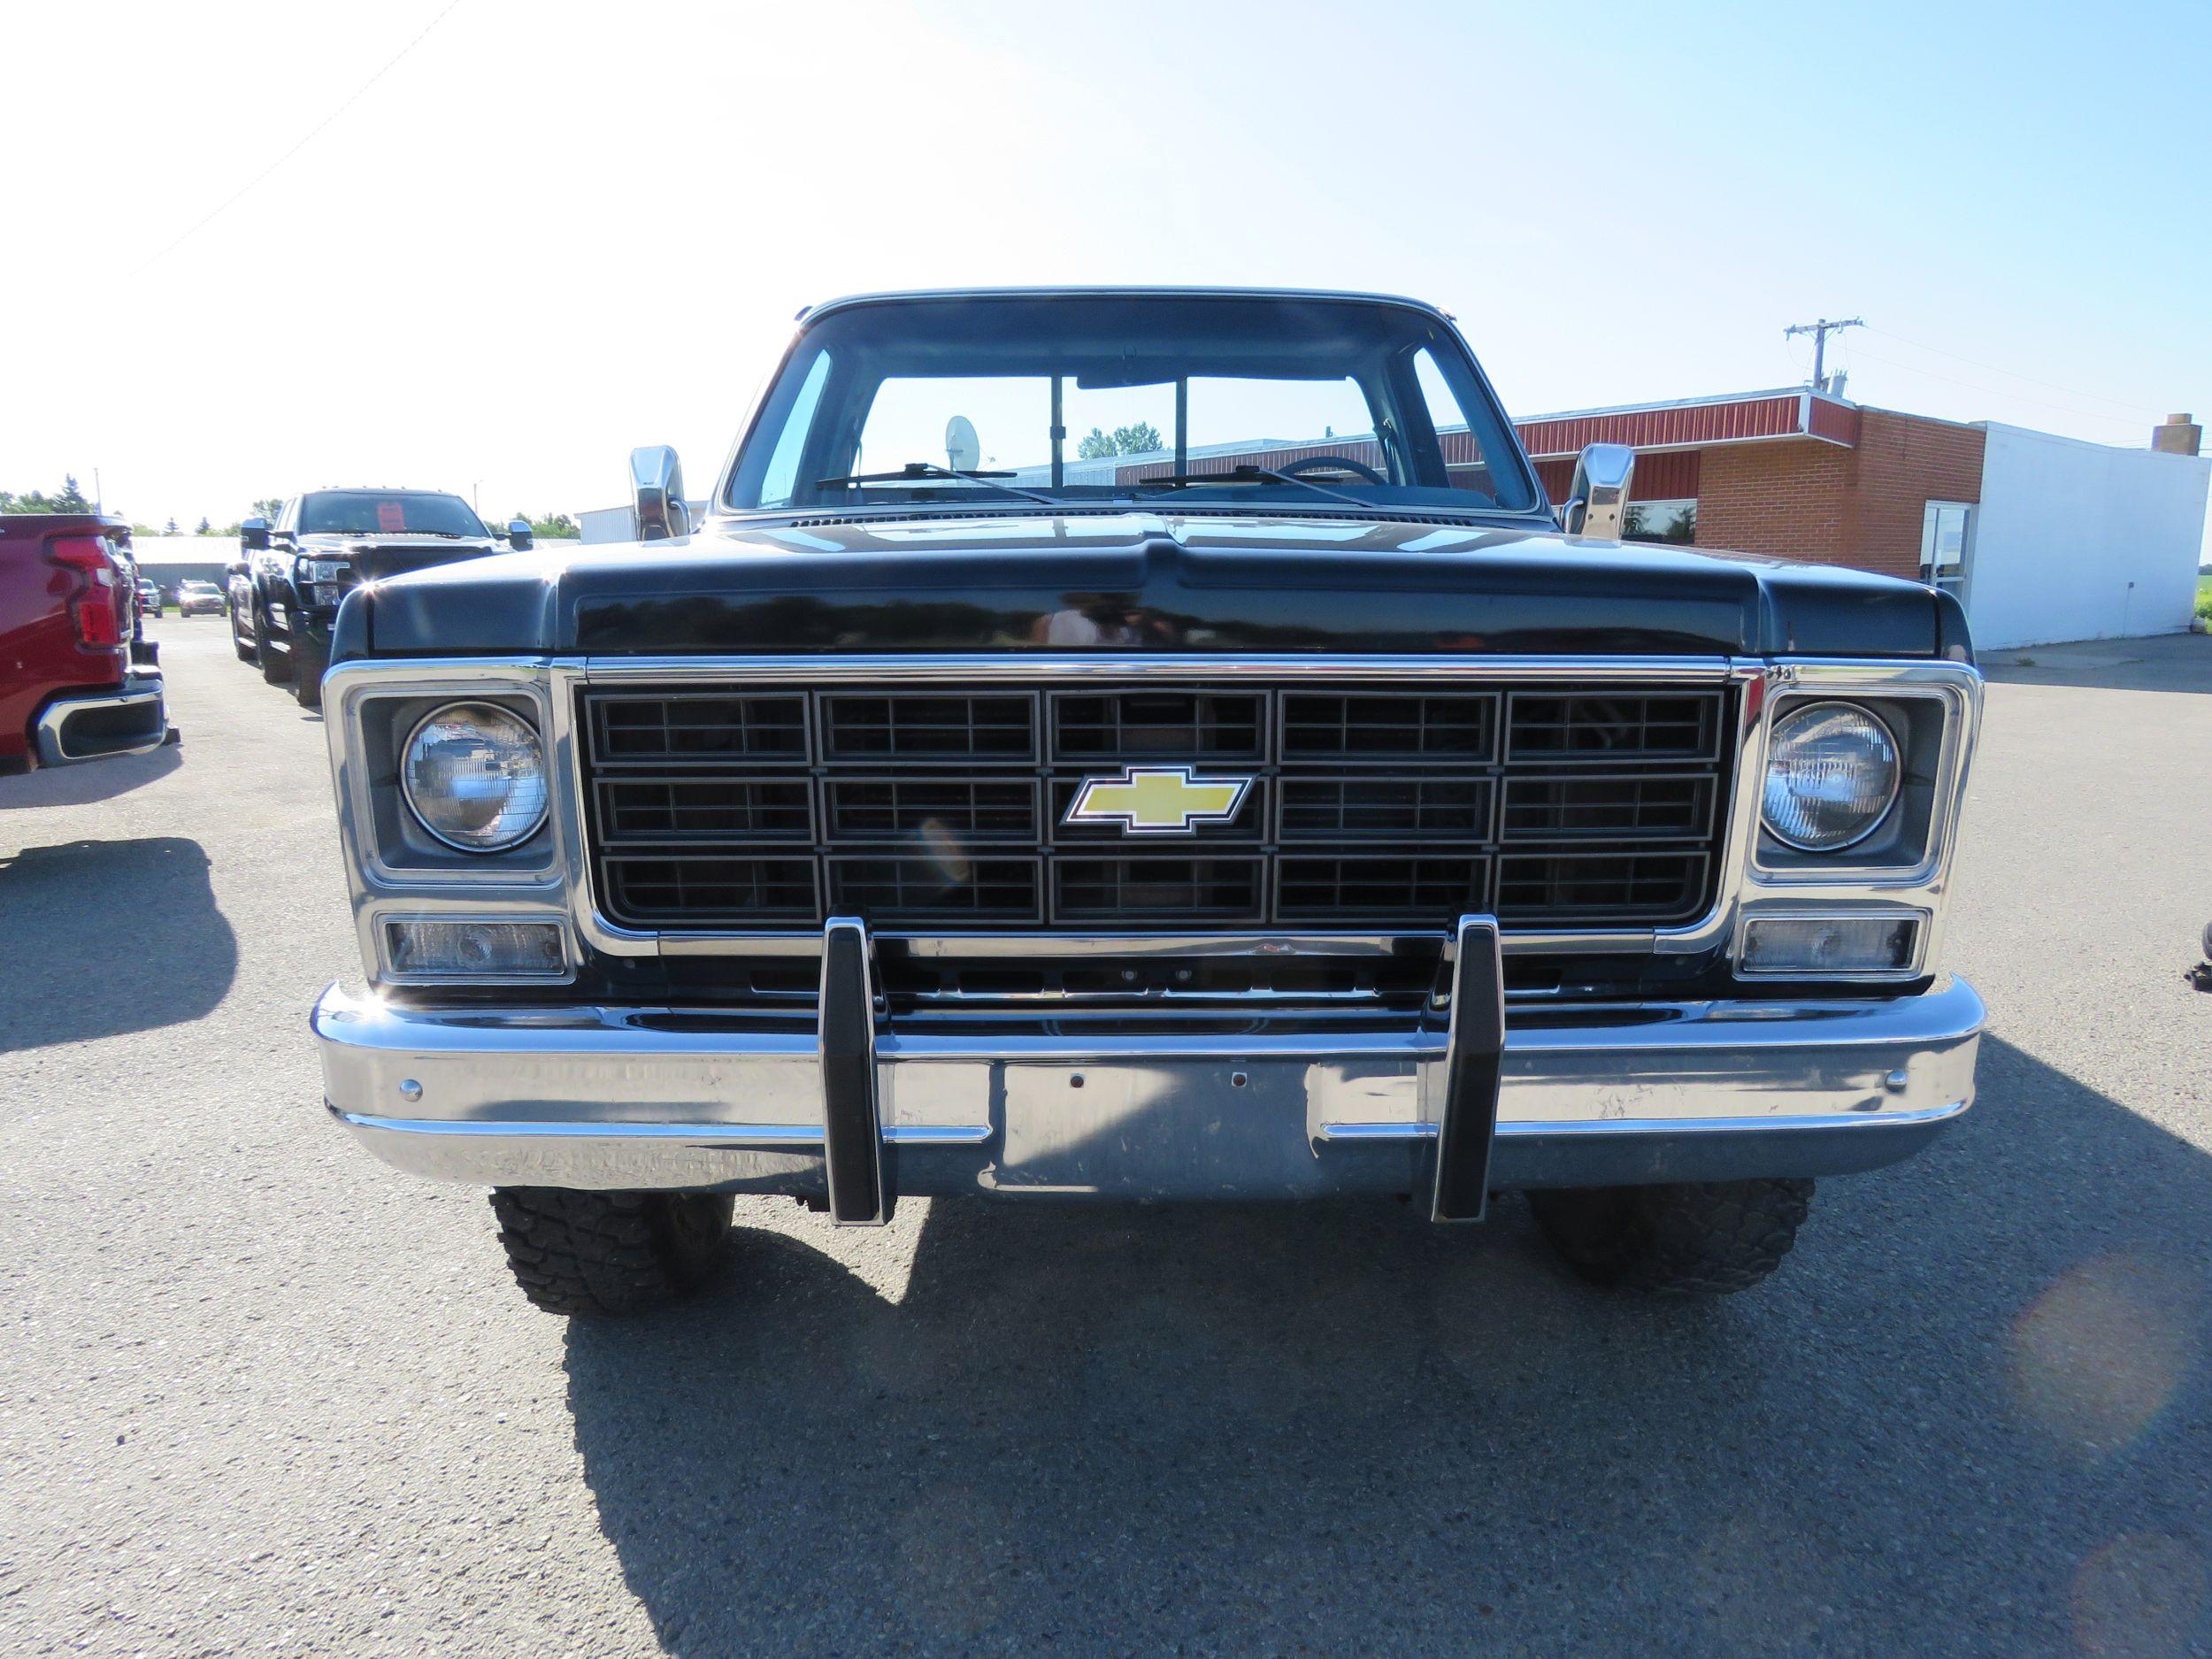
[[1157, 800]]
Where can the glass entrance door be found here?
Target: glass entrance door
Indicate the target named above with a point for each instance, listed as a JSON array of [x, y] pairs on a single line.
[[1943, 554]]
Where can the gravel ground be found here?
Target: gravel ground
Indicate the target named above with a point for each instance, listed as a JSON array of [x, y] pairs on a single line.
[[260, 1396]]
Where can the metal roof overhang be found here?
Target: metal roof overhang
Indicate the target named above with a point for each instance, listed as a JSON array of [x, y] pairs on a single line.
[[1696, 422]]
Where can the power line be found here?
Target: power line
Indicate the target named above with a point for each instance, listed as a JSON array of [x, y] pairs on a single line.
[[1992, 368], [1820, 331], [202, 221]]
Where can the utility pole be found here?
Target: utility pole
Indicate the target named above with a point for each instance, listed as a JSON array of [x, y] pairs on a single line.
[[1820, 331]]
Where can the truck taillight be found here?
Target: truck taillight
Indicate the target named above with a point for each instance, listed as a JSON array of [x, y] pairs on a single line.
[[96, 608]]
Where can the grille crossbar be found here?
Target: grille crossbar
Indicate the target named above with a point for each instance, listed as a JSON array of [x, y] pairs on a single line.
[[945, 807]]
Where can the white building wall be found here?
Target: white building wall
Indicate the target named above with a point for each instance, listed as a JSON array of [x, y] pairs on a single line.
[[607, 524], [2077, 541], [619, 523]]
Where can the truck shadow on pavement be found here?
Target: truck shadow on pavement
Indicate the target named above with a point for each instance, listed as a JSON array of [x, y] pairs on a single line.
[[91, 783], [99, 938], [1970, 1415]]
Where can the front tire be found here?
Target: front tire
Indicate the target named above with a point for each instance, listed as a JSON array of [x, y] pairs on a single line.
[[1711, 1238], [580, 1252], [276, 666], [309, 660]]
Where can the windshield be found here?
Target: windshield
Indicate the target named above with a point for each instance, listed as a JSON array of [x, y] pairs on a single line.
[[1326, 403], [387, 512]]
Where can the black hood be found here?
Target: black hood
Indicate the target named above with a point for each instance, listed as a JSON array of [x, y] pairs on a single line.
[[379, 557], [1139, 582]]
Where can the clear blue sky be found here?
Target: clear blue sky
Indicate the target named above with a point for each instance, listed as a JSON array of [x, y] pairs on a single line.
[[547, 233]]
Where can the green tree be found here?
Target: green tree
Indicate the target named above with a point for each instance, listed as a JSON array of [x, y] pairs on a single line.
[[206, 528], [267, 507], [557, 524], [70, 500], [1136, 439], [1097, 445], [170, 527]]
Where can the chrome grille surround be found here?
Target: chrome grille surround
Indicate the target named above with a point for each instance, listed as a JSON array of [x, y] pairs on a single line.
[[549, 877]]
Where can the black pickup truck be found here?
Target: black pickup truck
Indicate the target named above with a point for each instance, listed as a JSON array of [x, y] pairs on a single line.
[[1262, 817], [284, 593]]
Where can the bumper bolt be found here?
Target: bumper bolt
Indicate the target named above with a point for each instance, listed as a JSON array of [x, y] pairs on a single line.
[[409, 1089], [1896, 1082]]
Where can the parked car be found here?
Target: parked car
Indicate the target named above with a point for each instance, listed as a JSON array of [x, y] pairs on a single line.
[[1343, 822], [196, 598], [325, 543], [76, 683], [149, 598]]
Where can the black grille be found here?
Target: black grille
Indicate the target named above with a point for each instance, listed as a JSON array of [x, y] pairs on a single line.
[[1214, 890], [1368, 726], [932, 727], [723, 891], [1614, 727], [686, 727], [930, 809], [715, 809], [1131, 725], [1418, 809], [1393, 886], [942, 886], [1371, 806]]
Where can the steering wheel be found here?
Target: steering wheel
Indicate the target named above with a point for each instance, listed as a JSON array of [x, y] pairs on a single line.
[[1297, 469]]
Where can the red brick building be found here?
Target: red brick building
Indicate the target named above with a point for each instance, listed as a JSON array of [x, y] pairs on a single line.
[[2041, 537], [1797, 474]]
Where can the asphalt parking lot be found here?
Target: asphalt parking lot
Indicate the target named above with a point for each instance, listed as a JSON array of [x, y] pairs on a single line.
[[259, 1395]]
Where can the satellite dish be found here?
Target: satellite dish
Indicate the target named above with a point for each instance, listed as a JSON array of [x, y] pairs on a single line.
[[962, 449]]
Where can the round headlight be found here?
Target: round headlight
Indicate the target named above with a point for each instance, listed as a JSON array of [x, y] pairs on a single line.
[[1831, 774], [474, 775]]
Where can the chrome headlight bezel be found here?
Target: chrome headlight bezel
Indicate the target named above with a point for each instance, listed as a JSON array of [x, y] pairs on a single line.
[[427, 819], [1888, 790]]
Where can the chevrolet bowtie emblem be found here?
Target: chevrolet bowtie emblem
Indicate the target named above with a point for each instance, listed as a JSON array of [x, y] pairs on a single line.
[[1157, 800]]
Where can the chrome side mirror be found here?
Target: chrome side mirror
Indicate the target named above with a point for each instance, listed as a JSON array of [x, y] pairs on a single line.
[[519, 535], [1597, 500], [253, 533], [657, 487]]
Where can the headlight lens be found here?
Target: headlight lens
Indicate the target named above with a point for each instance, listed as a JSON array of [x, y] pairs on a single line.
[[1831, 774], [474, 775]]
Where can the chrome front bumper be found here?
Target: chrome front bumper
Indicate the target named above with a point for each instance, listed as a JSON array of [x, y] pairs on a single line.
[[643, 1098]]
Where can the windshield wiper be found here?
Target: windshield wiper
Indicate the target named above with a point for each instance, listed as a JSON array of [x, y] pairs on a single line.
[[1245, 474], [914, 471]]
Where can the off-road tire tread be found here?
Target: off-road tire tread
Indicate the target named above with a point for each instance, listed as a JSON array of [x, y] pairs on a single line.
[[1707, 1238], [307, 675], [591, 1254], [276, 666]]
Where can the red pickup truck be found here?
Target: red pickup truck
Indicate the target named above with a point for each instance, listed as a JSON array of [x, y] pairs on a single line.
[[78, 681]]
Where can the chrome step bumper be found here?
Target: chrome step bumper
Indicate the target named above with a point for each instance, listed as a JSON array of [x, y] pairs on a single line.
[[644, 1098], [131, 719]]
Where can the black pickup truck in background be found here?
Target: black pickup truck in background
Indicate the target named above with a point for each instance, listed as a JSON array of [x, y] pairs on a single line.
[[284, 593]]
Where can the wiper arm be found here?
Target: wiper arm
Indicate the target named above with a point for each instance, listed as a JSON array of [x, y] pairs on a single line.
[[1245, 474], [914, 471]]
